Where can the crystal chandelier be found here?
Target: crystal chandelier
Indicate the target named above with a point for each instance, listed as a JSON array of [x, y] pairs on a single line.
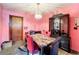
[[38, 15]]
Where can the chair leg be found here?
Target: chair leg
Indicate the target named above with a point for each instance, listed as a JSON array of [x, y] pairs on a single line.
[[27, 52]]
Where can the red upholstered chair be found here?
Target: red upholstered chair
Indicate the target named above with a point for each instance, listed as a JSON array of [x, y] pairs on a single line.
[[31, 46]]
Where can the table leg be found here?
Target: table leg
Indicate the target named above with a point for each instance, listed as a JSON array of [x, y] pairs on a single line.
[[42, 50]]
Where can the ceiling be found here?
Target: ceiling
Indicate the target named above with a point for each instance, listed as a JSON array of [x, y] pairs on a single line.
[[32, 7]]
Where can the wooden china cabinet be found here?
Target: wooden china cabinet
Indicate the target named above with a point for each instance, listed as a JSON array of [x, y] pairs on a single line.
[[59, 26]]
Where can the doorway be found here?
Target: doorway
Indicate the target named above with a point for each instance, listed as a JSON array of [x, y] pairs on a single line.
[[15, 28]]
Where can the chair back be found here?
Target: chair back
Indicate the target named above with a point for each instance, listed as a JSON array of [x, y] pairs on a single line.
[[30, 45]]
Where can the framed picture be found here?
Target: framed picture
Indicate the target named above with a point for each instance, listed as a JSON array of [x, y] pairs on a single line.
[[77, 21]]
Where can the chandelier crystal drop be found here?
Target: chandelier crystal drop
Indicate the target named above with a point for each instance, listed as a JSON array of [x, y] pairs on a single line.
[[38, 15]]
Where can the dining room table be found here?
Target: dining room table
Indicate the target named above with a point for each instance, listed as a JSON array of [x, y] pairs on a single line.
[[43, 41]]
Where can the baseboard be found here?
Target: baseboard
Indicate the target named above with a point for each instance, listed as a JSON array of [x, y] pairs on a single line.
[[74, 52]]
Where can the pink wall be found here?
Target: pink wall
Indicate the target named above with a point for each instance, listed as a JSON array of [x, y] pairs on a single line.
[[73, 10], [33, 24], [5, 23], [0, 24], [28, 21]]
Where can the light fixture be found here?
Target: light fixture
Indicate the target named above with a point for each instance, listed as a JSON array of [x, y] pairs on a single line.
[[38, 14], [76, 22]]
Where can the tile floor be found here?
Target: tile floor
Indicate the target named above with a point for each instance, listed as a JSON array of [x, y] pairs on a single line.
[[15, 51]]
